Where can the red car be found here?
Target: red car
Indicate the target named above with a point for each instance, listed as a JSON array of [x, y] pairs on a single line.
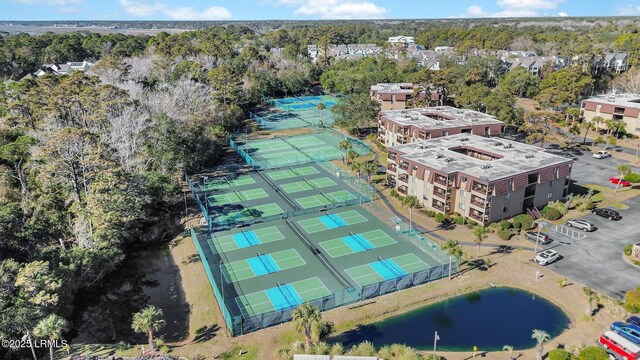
[[623, 182]]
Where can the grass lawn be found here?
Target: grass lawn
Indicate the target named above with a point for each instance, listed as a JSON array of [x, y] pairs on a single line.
[[605, 196]]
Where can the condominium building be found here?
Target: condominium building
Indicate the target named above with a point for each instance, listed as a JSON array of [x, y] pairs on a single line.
[[393, 96], [620, 107], [398, 127], [485, 179]]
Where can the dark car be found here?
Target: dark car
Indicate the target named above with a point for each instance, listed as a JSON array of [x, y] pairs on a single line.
[[607, 213], [634, 320]]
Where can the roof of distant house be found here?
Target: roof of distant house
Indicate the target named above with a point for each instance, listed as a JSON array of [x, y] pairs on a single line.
[[439, 117], [624, 99]]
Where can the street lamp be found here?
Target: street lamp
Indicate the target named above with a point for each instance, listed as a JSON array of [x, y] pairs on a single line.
[[540, 224], [435, 342]]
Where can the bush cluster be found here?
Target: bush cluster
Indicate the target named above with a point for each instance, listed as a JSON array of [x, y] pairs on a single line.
[[559, 354], [551, 213], [505, 234], [632, 177], [523, 221]]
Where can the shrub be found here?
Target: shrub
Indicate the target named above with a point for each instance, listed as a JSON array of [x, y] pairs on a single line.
[[593, 353], [559, 354], [458, 220], [523, 221], [394, 193], [440, 217], [632, 300], [505, 234], [558, 205], [551, 213], [504, 224], [628, 249], [632, 177], [471, 224]]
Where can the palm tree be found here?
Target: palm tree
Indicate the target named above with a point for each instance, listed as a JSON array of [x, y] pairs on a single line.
[[587, 125], [148, 320], [344, 146], [51, 327], [304, 317], [351, 156], [480, 233], [592, 297], [508, 348], [541, 337], [356, 167], [410, 202], [623, 170], [453, 248], [369, 168], [321, 107]]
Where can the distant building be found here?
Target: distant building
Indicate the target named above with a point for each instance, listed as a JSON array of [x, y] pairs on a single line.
[[344, 52], [401, 41], [485, 179], [615, 62], [620, 107], [398, 127], [63, 69], [394, 96]]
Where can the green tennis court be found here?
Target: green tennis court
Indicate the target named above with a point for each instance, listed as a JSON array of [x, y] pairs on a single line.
[[318, 224], [258, 303], [229, 243], [325, 199], [290, 173], [242, 269], [366, 274], [266, 145], [247, 213], [237, 197], [307, 184], [224, 183], [347, 245]]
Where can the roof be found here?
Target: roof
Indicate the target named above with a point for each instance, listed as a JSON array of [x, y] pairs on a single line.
[[625, 99], [512, 157], [402, 88], [439, 117]]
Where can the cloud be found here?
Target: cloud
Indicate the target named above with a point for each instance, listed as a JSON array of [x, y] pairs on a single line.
[[140, 8], [49, 2], [515, 8], [629, 10], [562, 14], [334, 9]]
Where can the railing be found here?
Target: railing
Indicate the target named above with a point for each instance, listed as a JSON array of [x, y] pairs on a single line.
[[442, 195], [404, 178], [391, 167], [403, 190], [404, 166], [477, 217], [392, 156], [482, 189], [440, 180]]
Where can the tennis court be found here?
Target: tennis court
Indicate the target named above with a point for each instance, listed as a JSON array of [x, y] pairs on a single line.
[[279, 152], [225, 183], [237, 197], [262, 264], [331, 221], [354, 243], [297, 112], [386, 269], [245, 239], [324, 199], [306, 184]]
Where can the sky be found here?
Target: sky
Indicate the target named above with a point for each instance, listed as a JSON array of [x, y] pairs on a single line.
[[305, 9]]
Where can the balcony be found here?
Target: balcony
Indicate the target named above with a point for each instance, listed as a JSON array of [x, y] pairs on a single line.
[[391, 180], [403, 178], [442, 195], [440, 180], [401, 139], [530, 190], [478, 202], [392, 156], [478, 216], [403, 190], [391, 167], [404, 166], [479, 188]]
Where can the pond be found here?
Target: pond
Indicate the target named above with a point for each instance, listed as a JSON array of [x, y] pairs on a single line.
[[487, 319]]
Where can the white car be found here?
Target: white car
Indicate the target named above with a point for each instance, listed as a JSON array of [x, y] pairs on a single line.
[[601, 154], [546, 257]]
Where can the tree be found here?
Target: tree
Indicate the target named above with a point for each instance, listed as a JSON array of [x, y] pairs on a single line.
[[304, 318], [226, 81], [520, 82], [369, 168], [564, 87], [410, 202], [52, 328], [540, 336], [148, 321], [345, 145], [592, 297], [453, 248], [587, 125], [351, 156], [632, 300], [356, 112], [623, 170], [480, 233], [321, 107], [356, 167]]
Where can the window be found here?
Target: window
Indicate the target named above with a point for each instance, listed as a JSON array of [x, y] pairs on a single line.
[[510, 184], [549, 196], [445, 133], [555, 171], [463, 179], [553, 182], [505, 209], [463, 192], [508, 196], [461, 206]]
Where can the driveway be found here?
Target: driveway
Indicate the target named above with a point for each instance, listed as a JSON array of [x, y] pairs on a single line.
[[596, 260]]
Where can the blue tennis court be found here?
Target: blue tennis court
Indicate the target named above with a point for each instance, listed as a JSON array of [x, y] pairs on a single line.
[[284, 297], [263, 264], [333, 221], [388, 269], [246, 239], [357, 243]]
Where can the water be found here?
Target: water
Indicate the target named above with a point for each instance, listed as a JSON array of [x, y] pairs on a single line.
[[488, 319]]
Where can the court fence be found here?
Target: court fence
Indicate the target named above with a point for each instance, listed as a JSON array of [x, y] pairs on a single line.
[[239, 324]]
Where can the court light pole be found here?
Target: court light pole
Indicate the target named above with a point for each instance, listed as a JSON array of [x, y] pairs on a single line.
[[435, 343], [540, 225], [221, 283]]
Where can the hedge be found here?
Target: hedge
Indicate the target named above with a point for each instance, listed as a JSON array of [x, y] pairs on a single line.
[[559, 354], [551, 213], [504, 224], [632, 177], [505, 234], [523, 221], [593, 353]]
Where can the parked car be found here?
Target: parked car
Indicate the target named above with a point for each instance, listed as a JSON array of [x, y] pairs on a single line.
[[538, 236], [629, 331], [581, 224], [614, 148], [623, 182], [607, 213], [546, 257], [601, 154], [635, 320]]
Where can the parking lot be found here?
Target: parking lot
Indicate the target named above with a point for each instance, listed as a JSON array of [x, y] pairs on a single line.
[[588, 170], [596, 260]]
